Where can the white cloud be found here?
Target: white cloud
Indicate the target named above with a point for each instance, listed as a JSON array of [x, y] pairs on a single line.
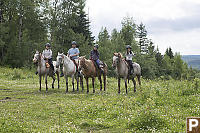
[[109, 13]]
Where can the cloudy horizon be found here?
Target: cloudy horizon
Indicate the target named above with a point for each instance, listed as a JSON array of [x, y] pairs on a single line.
[[173, 24]]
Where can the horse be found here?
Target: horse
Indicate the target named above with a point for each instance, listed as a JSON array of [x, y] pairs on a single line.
[[44, 71], [89, 70], [122, 71], [69, 70]]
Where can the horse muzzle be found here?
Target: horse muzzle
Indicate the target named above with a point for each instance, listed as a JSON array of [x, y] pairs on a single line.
[[113, 66], [34, 61]]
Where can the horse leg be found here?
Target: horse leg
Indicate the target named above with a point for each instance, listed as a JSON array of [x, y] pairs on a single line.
[[53, 82], [125, 80], [66, 78], [87, 85], [104, 81], [40, 83], [119, 85], [81, 82], [134, 83], [73, 82], [46, 82], [77, 80], [93, 85], [58, 78], [100, 82], [138, 77]]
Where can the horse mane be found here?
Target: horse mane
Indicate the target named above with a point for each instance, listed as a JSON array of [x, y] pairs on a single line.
[[118, 54]]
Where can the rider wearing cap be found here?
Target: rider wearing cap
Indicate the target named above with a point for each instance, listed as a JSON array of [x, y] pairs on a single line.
[[73, 53], [47, 54], [94, 55], [129, 56]]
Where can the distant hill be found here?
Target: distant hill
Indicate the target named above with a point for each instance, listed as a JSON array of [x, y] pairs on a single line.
[[192, 60]]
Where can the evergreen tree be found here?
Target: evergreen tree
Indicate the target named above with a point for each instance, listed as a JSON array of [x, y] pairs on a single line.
[[142, 36], [128, 30]]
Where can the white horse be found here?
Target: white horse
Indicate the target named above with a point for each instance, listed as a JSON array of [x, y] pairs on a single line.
[[122, 71], [69, 70], [44, 71]]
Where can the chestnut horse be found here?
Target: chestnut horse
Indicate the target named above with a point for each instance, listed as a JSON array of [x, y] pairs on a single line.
[[122, 71], [89, 70]]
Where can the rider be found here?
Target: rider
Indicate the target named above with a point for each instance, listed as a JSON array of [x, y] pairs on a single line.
[[47, 54], [94, 55], [73, 53], [129, 57]]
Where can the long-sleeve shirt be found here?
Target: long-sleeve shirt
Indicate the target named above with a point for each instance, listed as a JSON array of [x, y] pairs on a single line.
[[94, 55], [47, 53]]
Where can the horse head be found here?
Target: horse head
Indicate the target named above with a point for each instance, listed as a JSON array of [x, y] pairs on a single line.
[[37, 57], [59, 59], [81, 62], [116, 59]]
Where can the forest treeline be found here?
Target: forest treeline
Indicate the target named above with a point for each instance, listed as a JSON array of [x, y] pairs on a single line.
[[26, 25]]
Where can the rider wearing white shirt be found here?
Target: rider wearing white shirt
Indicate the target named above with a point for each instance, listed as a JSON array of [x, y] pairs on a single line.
[[47, 54]]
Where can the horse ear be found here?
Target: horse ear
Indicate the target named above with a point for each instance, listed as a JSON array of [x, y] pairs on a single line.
[[58, 53], [119, 54]]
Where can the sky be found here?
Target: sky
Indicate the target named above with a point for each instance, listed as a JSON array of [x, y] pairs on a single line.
[[169, 23]]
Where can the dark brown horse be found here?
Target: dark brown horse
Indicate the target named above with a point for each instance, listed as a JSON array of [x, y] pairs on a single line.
[[89, 70]]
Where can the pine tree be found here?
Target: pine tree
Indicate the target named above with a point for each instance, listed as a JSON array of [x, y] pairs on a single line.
[[128, 30], [142, 36]]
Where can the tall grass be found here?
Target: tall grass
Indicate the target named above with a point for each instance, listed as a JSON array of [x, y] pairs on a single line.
[[160, 106]]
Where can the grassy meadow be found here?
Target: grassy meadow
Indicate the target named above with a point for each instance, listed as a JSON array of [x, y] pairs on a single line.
[[159, 106]]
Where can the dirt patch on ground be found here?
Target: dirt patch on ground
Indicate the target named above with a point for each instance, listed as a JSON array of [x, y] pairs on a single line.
[[6, 99], [6, 90]]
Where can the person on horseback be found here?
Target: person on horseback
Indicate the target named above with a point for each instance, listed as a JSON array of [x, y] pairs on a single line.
[[129, 56], [47, 54], [94, 55], [73, 53]]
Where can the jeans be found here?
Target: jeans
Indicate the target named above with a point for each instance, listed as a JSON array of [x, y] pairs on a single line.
[[98, 62]]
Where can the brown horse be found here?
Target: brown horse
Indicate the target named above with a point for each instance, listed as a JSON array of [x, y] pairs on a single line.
[[89, 70], [122, 71]]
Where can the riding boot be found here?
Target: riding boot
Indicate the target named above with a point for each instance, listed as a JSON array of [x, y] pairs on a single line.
[[101, 70], [52, 67]]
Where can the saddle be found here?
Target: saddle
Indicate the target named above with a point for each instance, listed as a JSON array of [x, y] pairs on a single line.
[[98, 67], [47, 65]]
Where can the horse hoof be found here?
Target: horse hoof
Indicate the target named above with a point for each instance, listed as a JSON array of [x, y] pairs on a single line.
[[93, 91]]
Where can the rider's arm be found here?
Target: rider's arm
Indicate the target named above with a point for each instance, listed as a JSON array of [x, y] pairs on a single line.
[[91, 54], [77, 52]]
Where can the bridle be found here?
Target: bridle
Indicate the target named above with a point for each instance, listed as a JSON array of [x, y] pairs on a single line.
[[116, 61]]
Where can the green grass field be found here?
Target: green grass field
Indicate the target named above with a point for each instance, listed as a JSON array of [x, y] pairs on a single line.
[[160, 106]]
